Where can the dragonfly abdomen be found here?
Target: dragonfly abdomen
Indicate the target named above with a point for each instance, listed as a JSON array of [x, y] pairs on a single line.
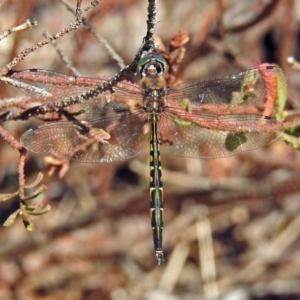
[[156, 193]]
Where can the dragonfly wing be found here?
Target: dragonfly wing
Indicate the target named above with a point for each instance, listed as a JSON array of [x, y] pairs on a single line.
[[230, 93], [52, 84], [114, 135], [209, 136]]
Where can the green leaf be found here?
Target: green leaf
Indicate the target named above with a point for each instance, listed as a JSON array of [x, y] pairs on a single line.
[[30, 208], [5, 197], [184, 104], [245, 93], [294, 131], [281, 96], [12, 218], [28, 225], [36, 182], [26, 221], [36, 211], [291, 140], [36, 193], [181, 123], [235, 140]]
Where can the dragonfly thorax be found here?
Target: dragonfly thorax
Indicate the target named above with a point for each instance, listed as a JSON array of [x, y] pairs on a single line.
[[153, 85], [154, 100], [153, 89]]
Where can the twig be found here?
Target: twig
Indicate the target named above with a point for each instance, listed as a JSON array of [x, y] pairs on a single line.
[[99, 38], [152, 20], [289, 31], [293, 63], [22, 173], [68, 63], [207, 259], [148, 45], [27, 51], [105, 44], [25, 86], [16, 145], [269, 9], [10, 139], [27, 24]]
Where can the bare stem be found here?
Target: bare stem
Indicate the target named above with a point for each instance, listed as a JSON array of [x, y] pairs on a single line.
[[27, 24], [152, 20], [27, 51]]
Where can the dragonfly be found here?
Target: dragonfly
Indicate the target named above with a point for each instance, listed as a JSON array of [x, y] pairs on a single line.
[[198, 119]]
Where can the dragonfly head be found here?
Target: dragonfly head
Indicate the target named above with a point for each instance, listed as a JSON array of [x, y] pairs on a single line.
[[152, 65]]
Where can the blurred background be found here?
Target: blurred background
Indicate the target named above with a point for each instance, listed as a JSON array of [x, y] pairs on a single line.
[[232, 225]]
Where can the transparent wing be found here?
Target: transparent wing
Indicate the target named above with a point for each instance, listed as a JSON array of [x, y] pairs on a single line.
[[99, 130], [197, 120], [227, 94], [208, 136], [55, 84], [201, 118]]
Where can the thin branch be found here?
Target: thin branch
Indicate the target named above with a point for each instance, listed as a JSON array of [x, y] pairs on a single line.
[[293, 63], [152, 20], [10, 139], [68, 63], [269, 9], [27, 24], [21, 172], [12, 102], [27, 51], [109, 84], [114, 55], [105, 44], [25, 86]]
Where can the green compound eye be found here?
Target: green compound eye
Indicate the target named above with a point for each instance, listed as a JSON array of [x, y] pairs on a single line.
[[154, 59], [161, 61], [143, 61]]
